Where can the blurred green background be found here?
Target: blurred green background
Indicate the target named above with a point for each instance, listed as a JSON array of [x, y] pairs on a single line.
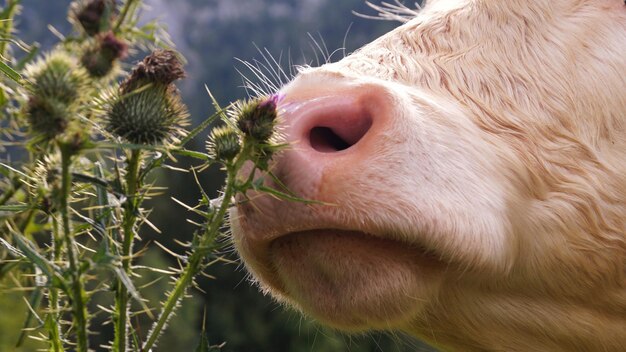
[[211, 34]]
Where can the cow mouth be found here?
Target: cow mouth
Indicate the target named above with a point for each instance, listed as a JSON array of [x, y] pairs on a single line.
[[295, 243], [349, 279]]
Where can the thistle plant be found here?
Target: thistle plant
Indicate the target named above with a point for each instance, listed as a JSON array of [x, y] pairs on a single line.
[[72, 210]]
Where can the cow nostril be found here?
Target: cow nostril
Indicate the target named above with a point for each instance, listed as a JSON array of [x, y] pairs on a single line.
[[325, 140], [339, 134]]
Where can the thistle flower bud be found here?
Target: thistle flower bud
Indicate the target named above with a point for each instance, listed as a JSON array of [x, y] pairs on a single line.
[[56, 87], [99, 60], [47, 117], [150, 116], [148, 108], [257, 118], [57, 76], [223, 144], [93, 15]]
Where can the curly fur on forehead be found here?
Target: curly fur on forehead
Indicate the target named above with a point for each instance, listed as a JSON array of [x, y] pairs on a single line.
[[528, 76]]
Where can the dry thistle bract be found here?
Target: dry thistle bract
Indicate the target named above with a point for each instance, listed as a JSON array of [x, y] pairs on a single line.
[[148, 108], [223, 144], [160, 67]]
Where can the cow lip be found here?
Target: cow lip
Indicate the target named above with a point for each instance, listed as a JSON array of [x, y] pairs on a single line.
[[331, 230], [257, 243], [425, 255]]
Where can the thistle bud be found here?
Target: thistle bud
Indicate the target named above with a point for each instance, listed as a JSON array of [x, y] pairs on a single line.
[[257, 118], [223, 144], [150, 116], [93, 16], [148, 108], [56, 87], [57, 76], [99, 60], [47, 117]]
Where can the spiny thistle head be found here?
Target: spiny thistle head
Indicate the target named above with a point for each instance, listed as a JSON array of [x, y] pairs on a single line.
[[47, 117], [57, 76], [148, 108], [223, 144], [149, 116], [93, 16], [57, 86], [100, 59], [257, 118]]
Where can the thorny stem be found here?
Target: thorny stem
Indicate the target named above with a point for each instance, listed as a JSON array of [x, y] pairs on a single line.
[[7, 25], [78, 295], [130, 214], [127, 6], [172, 300], [194, 265], [54, 333], [128, 224]]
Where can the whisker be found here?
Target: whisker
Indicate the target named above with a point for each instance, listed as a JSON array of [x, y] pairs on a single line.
[[276, 66], [315, 47], [396, 11], [345, 39], [325, 52]]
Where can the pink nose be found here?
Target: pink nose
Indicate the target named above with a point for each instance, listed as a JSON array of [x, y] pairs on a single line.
[[334, 136], [328, 136], [332, 124], [329, 124]]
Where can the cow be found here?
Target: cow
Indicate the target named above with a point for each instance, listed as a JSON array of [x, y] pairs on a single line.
[[468, 173]]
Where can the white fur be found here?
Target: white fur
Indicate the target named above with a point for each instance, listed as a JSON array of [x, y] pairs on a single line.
[[501, 152]]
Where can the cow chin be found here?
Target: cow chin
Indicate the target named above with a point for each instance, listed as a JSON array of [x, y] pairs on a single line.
[[354, 281]]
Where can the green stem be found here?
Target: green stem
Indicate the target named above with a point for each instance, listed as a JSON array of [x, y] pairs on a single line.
[[130, 213], [54, 332], [127, 6], [7, 25], [172, 300], [78, 294], [128, 224], [35, 298], [194, 265]]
